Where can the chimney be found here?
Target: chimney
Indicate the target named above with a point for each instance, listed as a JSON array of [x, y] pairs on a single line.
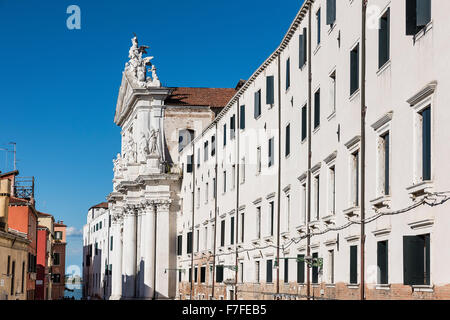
[[5, 189]]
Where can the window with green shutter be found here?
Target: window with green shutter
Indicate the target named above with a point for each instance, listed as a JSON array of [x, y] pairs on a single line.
[[232, 226], [303, 48], [300, 268], [288, 140], [315, 269], [257, 104], [288, 73], [416, 260], [189, 242], [418, 15], [354, 70], [242, 118], [331, 12], [384, 39], [317, 109], [270, 89], [269, 269], [426, 143], [382, 262], [304, 123], [353, 264]]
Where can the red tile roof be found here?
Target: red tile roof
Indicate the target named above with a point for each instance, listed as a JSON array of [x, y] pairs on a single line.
[[204, 97], [18, 201], [103, 205]]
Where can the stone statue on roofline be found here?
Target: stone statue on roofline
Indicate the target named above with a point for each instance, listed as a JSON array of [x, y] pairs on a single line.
[[137, 66]]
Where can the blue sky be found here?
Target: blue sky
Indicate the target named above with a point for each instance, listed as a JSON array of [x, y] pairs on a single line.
[[58, 87]]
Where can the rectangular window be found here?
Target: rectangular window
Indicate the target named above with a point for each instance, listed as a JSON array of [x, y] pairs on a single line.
[[382, 262], [272, 217], [242, 173], [416, 260], [319, 24], [258, 160], [385, 139], [232, 226], [300, 268], [206, 151], [196, 274], [214, 188], [197, 240], [224, 182], [219, 274], [242, 118], [384, 39], [242, 220], [198, 158], [317, 197], [13, 278], [190, 274], [189, 242], [205, 239], [288, 140], [213, 146], [241, 272], [206, 192], [418, 15], [354, 70], [202, 274], [56, 259], [331, 12], [190, 161], [317, 109], [270, 89], [286, 270], [271, 152], [222, 233], [233, 127], [258, 223], [355, 179], [288, 73], [303, 48], [257, 104], [426, 144], [353, 264], [315, 268], [304, 123], [304, 203], [257, 271], [332, 190], [333, 92], [233, 177], [224, 134], [179, 245], [269, 270], [331, 266], [23, 277]]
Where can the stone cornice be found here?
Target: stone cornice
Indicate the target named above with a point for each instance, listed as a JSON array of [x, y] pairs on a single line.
[[353, 142], [383, 120], [330, 158], [423, 93]]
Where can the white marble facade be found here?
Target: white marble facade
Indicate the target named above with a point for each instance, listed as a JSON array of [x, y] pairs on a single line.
[[143, 220]]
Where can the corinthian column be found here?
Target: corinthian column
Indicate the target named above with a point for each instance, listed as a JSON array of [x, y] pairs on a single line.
[[147, 247], [129, 253], [116, 290]]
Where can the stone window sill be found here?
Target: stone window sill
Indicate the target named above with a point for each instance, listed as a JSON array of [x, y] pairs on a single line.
[[352, 212], [354, 94], [384, 67], [352, 286], [383, 287], [381, 202], [423, 288], [420, 189]]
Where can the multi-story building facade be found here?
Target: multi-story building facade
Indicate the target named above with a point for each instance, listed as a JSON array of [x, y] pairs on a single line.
[[343, 123], [59, 261], [323, 176], [97, 247]]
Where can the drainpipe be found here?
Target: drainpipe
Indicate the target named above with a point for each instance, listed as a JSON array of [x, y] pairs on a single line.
[[279, 172], [192, 229], [237, 128], [215, 219], [363, 145], [308, 218], [155, 210]]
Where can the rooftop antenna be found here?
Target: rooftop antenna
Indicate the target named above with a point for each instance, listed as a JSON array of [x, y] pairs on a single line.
[[15, 152]]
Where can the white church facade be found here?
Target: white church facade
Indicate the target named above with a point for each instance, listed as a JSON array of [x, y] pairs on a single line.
[[324, 175]]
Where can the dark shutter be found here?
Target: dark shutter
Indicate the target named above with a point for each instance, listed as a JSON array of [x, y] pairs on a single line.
[[219, 274], [198, 157], [319, 25], [190, 160], [315, 268], [269, 272], [272, 212], [423, 12], [213, 145], [270, 89], [304, 123], [190, 274], [300, 268], [257, 104], [383, 39], [222, 233], [413, 264], [189, 242], [317, 109], [331, 12], [232, 226], [288, 73], [288, 139], [301, 51], [427, 270], [180, 245], [206, 151], [382, 261], [224, 134], [354, 70], [286, 270], [426, 144], [196, 274], [232, 126], [354, 264], [411, 17], [242, 118], [386, 164], [203, 274]]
